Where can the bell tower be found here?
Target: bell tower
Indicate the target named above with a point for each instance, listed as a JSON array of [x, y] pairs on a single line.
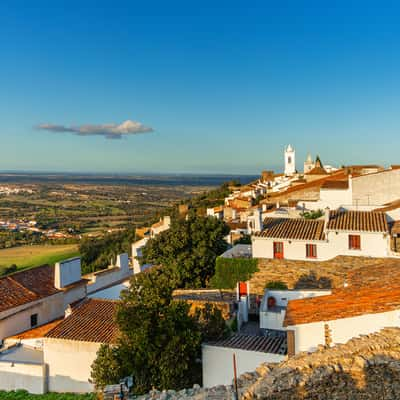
[[290, 162]]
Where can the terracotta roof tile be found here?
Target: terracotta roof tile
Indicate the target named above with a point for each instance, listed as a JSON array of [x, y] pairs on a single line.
[[364, 221], [343, 303], [317, 171], [293, 228], [91, 321], [389, 206], [37, 332], [26, 286]]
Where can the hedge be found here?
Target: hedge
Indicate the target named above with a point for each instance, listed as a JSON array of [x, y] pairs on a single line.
[[229, 271], [24, 395]]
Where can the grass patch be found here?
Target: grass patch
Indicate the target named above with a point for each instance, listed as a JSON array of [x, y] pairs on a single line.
[[32, 256], [23, 395]]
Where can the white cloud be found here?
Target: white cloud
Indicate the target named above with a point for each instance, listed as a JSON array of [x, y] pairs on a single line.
[[109, 131]]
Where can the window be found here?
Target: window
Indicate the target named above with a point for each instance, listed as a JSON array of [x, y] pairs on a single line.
[[354, 242], [278, 250], [34, 320], [311, 250]]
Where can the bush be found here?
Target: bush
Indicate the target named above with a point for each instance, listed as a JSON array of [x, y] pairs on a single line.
[[277, 285], [312, 214], [230, 271]]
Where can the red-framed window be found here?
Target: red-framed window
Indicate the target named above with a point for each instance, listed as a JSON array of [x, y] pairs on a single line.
[[311, 250], [278, 249], [354, 242]]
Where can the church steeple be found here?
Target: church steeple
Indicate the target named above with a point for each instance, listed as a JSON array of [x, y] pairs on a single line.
[[290, 162]]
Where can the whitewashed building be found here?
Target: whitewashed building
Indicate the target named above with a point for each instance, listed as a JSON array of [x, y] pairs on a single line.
[[346, 313], [340, 232], [249, 351]]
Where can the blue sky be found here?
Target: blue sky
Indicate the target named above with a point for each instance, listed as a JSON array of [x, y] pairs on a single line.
[[224, 85]]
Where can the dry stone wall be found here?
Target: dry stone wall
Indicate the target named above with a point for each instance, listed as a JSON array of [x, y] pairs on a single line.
[[365, 368], [317, 274]]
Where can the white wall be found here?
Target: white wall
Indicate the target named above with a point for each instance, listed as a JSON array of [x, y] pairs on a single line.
[[372, 245], [380, 188], [111, 293], [309, 336], [18, 319], [19, 375], [67, 272], [106, 278], [69, 364], [218, 363], [273, 319]]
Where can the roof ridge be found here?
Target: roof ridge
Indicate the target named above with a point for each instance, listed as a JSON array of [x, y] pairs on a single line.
[[22, 286]]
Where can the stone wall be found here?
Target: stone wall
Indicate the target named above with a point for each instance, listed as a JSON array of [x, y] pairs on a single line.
[[316, 274], [366, 368]]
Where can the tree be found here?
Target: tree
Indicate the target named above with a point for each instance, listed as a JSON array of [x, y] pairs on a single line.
[[188, 250], [160, 342], [108, 356]]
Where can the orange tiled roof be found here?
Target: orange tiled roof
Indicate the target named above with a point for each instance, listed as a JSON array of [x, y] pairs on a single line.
[[91, 321], [37, 332], [26, 286], [317, 171], [389, 206], [293, 228], [344, 303], [365, 221]]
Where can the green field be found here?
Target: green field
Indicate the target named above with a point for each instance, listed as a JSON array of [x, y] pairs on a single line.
[[32, 256], [23, 395]]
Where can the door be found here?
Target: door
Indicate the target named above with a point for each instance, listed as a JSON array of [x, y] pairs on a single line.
[[278, 250], [242, 289]]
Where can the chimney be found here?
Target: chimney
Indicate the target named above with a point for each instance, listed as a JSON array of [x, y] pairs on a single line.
[[67, 272], [326, 218], [68, 311], [123, 262], [258, 223]]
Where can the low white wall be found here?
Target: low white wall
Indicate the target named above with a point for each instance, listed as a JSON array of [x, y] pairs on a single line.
[[106, 278], [309, 336], [273, 319], [28, 376], [69, 364], [218, 363]]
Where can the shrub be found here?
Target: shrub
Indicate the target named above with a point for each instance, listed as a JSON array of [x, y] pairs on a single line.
[[230, 271], [277, 285]]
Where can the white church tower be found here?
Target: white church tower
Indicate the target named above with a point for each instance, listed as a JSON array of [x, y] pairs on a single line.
[[290, 163]]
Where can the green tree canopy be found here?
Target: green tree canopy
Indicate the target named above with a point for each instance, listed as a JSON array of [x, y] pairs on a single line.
[[188, 250], [160, 343]]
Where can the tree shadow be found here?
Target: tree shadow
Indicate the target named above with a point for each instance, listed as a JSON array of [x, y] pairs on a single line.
[[312, 281]]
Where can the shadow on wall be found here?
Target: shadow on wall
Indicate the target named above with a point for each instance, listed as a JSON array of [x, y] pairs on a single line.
[[312, 281], [375, 378], [62, 383]]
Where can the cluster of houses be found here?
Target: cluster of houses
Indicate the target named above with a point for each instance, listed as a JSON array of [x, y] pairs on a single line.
[[53, 319]]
